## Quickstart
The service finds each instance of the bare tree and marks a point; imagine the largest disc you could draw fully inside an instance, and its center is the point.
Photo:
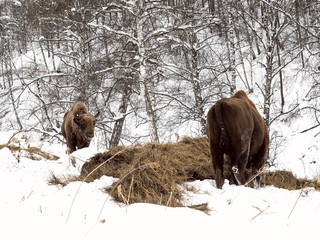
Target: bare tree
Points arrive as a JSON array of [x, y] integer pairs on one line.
[[154, 65], [191, 61], [8, 35], [142, 28]]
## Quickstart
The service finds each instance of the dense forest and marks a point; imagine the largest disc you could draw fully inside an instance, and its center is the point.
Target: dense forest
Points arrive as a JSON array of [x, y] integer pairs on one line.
[[154, 68]]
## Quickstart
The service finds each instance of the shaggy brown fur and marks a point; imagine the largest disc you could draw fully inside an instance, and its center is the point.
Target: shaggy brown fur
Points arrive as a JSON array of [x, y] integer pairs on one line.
[[78, 126], [237, 131]]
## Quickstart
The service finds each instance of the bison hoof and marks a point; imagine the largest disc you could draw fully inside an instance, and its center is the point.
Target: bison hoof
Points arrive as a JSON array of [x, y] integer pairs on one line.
[[235, 170], [256, 184]]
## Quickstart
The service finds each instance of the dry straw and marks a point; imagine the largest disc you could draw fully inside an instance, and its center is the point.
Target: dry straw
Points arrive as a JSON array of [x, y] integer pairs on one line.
[[155, 173]]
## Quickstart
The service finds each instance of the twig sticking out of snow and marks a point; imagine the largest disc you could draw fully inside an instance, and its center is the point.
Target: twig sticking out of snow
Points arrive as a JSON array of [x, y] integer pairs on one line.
[[120, 193], [261, 170], [87, 178], [304, 193], [260, 211], [140, 167], [150, 164]]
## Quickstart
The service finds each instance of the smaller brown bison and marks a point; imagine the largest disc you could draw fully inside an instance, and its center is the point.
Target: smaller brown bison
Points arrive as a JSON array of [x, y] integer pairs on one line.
[[78, 126], [238, 133]]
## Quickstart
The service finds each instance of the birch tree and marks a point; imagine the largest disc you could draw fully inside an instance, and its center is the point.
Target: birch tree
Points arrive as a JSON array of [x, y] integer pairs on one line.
[[269, 26], [191, 61], [145, 26], [232, 47]]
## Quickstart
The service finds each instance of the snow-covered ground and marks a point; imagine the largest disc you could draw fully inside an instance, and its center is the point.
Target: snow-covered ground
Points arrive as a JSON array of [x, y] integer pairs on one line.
[[32, 209]]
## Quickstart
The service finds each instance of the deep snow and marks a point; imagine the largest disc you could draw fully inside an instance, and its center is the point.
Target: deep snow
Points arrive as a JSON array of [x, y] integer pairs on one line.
[[32, 209]]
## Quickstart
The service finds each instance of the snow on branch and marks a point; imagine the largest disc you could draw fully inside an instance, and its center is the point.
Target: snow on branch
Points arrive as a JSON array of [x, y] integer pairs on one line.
[[118, 32]]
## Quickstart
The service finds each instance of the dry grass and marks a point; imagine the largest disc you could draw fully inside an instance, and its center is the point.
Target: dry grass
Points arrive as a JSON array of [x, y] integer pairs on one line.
[[54, 180], [317, 176], [201, 207], [155, 173], [286, 179]]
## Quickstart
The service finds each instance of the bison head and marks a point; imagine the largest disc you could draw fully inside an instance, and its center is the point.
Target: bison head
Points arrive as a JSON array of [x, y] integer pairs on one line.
[[86, 123]]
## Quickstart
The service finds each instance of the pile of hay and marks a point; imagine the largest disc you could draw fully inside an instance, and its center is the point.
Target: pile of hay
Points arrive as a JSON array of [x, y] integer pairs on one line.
[[155, 173], [152, 172], [286, 179]]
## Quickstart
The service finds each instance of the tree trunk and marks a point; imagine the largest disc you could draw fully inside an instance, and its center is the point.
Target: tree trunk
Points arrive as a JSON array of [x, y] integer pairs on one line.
[[84, 75], [296, 3], [280, 77], [144, 91], [43, 55], [10, 80], [232, 48], [118, 126], [267, 89], [246, 81], [195, 80], [270, 28]]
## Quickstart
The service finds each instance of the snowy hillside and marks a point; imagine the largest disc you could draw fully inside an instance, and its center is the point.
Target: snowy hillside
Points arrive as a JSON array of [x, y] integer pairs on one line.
[[32, 209], [153, 69]]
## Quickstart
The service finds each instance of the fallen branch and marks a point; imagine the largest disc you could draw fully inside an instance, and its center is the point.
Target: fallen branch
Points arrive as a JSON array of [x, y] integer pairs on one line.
[[13, 136], [304, 193], [30, 150], [201, 207], [260, 211]]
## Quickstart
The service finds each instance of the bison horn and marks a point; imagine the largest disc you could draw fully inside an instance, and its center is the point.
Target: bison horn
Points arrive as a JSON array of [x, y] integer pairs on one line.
[[97, 115]]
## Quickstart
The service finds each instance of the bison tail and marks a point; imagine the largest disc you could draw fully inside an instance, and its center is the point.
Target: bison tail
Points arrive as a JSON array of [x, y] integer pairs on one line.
[[224, 140]]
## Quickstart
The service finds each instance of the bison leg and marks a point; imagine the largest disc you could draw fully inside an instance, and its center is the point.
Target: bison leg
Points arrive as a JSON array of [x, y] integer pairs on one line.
[[71, 148], [239, 174], [255, 170], [239, 167], [241, 159], [86, 144], [217, 160], [219, 176], [258, 161]]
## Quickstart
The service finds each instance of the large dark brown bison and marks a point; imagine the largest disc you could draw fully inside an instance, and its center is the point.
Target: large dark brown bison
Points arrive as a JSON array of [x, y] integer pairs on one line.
[[237, 132], [78, 126]]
